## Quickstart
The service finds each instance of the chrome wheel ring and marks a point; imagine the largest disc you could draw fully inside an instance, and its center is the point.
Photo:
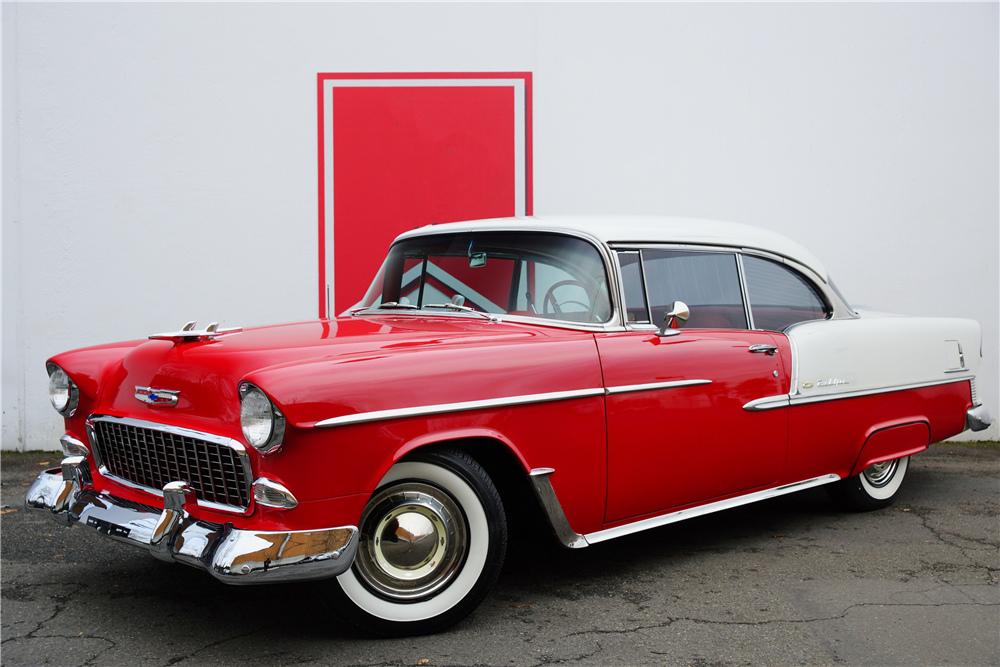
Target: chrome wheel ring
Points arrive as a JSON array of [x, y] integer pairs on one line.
[[880, 474], [413, 542]]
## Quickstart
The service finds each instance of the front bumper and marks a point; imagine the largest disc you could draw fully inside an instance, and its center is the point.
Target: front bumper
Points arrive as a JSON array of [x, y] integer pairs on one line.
[[231, 555]]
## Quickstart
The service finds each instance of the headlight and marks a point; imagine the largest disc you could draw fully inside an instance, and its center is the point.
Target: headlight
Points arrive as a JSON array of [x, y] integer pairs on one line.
[[62, 391], [263, 425]]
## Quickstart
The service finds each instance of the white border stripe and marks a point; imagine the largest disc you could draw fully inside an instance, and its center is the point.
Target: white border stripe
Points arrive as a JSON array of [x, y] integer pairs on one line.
[[520, 154]]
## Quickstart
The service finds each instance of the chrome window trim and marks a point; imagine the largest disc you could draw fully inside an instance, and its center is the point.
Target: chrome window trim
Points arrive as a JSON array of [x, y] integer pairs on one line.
[[441, 408], [621, 296], [645, 292], [821, 287], [724, 250], [672, 246], [791, 400], [652, 386], [221, 440], [614, 321], [838, 309], [748, 313]]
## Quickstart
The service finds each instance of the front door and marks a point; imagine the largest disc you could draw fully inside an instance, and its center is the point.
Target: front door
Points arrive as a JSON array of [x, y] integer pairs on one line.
[[677, 430]]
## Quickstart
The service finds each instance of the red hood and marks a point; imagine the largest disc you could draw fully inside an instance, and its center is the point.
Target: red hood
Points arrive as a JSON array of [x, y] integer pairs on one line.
[[207, 373]]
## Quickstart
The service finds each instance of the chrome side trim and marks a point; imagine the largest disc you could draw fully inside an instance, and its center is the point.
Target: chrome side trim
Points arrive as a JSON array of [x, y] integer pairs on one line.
[[801, 399], [784, 400], [546, 495], [767, 403], [625, 389], [673, 517], [958, 370], [419, 411]]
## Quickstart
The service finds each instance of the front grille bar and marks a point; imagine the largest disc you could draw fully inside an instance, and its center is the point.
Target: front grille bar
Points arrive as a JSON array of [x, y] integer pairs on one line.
[[147, 455]]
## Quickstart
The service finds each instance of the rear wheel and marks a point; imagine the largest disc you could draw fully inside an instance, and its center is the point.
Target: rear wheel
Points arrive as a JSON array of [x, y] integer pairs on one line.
[[874, 488], [432, 541]]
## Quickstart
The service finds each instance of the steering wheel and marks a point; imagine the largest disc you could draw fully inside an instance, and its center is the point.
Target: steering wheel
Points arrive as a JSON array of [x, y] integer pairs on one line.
[[592, 293]]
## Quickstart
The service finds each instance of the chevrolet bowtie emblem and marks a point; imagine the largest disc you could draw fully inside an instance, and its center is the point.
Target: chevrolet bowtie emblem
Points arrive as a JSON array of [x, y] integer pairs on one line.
[[161, 398]]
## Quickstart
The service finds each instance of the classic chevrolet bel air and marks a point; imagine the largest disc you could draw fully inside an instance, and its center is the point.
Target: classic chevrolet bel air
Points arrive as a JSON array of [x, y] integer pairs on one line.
[[630, 372]]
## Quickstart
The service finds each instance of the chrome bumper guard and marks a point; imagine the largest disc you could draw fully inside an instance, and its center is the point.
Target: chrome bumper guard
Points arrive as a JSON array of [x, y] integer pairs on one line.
[[978, 418], [230, 555]]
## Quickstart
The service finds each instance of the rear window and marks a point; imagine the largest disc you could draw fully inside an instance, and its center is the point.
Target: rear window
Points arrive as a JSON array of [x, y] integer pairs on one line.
[[779, 296]]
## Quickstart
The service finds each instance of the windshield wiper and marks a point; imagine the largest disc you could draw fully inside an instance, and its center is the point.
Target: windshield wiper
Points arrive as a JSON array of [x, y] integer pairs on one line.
[[463, 309]]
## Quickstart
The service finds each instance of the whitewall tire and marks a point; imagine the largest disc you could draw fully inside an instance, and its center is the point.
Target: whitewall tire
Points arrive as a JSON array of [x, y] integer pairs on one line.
[[432, 541], [874, 488]]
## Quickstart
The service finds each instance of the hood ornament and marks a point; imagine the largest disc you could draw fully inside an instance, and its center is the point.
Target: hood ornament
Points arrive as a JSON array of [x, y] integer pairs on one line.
[[160, 398], [188, 333]]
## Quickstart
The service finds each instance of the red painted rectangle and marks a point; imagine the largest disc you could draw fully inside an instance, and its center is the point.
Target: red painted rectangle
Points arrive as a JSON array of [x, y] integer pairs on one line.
[[409, 156]]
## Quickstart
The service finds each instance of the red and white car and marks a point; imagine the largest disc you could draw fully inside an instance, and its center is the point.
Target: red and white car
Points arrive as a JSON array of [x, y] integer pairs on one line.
[[632, 372]]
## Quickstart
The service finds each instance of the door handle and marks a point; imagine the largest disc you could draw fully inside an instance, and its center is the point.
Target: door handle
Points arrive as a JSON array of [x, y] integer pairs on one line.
[[769, 350]]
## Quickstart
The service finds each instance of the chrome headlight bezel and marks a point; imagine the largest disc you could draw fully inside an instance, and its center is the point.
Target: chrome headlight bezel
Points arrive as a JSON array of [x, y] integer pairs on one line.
[[72, 391], [276, 433]]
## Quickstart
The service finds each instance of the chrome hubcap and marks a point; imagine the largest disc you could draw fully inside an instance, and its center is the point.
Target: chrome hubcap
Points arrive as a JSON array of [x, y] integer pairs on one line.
[[879, 474], [413, 541]]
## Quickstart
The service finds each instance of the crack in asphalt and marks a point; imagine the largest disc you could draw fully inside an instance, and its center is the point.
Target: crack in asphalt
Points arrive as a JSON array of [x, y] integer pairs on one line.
[[179, 659], [671, 620], [923, 515], [61, 604]]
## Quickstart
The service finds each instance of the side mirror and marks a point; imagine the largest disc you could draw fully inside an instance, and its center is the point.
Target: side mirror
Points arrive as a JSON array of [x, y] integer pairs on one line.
[[674, 319]]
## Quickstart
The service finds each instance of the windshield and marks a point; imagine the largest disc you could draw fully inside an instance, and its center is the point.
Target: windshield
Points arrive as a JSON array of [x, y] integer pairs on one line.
[[533, 275]]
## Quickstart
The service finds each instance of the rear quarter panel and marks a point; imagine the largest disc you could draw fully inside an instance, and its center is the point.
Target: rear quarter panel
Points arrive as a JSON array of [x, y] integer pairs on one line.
[[853, 378]]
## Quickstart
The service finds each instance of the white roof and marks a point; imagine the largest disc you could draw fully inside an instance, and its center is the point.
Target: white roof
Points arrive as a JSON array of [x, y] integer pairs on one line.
[[655, 229]]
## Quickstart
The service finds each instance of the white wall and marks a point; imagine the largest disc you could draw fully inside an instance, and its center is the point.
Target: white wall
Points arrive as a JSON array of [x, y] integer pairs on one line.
[[159, 160]]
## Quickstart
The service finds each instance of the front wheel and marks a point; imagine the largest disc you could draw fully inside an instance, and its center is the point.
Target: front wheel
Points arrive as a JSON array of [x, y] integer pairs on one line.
[[431, 543], [874, 488]]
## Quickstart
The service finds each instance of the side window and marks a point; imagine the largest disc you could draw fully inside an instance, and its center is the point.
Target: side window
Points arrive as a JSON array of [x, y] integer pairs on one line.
[[708, 282], [779, 296], [635, 291]]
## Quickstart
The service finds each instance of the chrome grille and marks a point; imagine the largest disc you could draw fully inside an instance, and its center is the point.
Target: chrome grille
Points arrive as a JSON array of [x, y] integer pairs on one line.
[[975, 397], [152, 457]]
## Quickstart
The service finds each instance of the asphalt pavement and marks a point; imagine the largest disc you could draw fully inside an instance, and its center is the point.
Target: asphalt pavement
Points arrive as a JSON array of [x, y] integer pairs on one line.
[[790, 581]]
